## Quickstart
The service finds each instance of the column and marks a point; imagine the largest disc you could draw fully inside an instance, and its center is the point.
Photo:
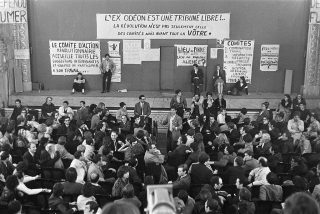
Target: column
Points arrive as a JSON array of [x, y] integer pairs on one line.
[[311, 86]]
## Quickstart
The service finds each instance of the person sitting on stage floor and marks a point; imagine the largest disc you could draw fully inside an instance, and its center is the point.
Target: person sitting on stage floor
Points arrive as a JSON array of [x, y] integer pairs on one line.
[[240, 87], [78, 83]]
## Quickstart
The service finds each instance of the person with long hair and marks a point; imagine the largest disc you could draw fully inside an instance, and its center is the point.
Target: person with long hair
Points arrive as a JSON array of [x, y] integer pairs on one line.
[[285, 106]]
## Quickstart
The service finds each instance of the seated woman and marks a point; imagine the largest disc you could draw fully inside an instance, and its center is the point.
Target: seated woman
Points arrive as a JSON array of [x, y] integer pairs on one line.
[[78, 83], [240, 87]]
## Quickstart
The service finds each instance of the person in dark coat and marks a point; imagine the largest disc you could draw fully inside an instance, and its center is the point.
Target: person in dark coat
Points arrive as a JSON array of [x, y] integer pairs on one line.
[[31, 163], [16, 110], [236, 171], [70, 186], [199, 172], [240, 87], [47, 109], [56, 201], [196, 78]]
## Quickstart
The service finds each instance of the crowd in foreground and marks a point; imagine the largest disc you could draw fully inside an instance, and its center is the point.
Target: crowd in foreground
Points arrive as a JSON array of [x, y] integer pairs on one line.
[[84, 159]]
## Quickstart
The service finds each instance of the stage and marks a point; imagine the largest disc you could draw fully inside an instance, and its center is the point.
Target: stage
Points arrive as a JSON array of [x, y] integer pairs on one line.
[[158, 100]]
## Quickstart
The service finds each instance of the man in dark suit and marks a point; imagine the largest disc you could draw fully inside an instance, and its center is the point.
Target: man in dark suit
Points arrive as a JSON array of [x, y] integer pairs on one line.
[[183, 181], [32, 165], [95, 187], [66, 130], [178, 156], [113, 142], [236, 171], [6, 167], [142, 109], [199, 172], [196, 78], [70, 186]]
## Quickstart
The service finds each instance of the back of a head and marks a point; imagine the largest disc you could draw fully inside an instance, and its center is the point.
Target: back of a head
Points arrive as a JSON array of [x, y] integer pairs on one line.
[[120, 208], [301, 203], [14, 207], [203, 157], [245, 194], [128, 191]]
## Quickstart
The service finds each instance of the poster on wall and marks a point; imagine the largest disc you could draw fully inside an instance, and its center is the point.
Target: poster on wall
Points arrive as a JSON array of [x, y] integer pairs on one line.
[[71, 57], [163, 26], [238, 57], [113, 48], [13, 12], [150, 54], [131, 52], [116, 75], [214, 52], [187, 55], [269, 57]]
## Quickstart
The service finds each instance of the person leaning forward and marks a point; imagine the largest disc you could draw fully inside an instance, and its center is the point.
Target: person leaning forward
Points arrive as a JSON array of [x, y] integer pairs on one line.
[[107, 67]]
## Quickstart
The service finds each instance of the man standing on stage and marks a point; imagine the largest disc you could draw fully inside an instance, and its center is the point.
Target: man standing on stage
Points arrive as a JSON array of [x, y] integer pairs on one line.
[[196, 78], [107, 67]]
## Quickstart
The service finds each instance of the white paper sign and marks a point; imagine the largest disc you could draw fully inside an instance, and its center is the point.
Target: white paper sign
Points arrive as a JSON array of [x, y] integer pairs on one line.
[[269, 57], [71, 57], [163, 26], [214, 53], [116, 75], [150, 54], [238, 57], [187, 55], [21, 54], [13, 11], [113, 48], [131, 51], [146, 43]]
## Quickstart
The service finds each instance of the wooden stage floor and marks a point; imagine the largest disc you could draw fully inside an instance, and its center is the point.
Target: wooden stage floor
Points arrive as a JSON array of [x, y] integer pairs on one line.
[[157, 100]]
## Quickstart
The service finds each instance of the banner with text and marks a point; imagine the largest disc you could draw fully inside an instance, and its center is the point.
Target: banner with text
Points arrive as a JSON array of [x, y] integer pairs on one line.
[[71, 57], [269, 57], [238, 57], [187, 55], [13, 11], [116, 75], [163, 26]]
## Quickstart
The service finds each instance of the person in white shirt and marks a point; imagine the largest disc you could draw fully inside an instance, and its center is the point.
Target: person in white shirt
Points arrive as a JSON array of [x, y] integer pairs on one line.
[[87, 195], [65, 110], [295, 127], [258, 176], [80, 166], [221, 118]]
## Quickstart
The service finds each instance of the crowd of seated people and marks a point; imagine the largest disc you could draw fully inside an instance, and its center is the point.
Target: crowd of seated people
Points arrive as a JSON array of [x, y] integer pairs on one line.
[[80, 160]]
